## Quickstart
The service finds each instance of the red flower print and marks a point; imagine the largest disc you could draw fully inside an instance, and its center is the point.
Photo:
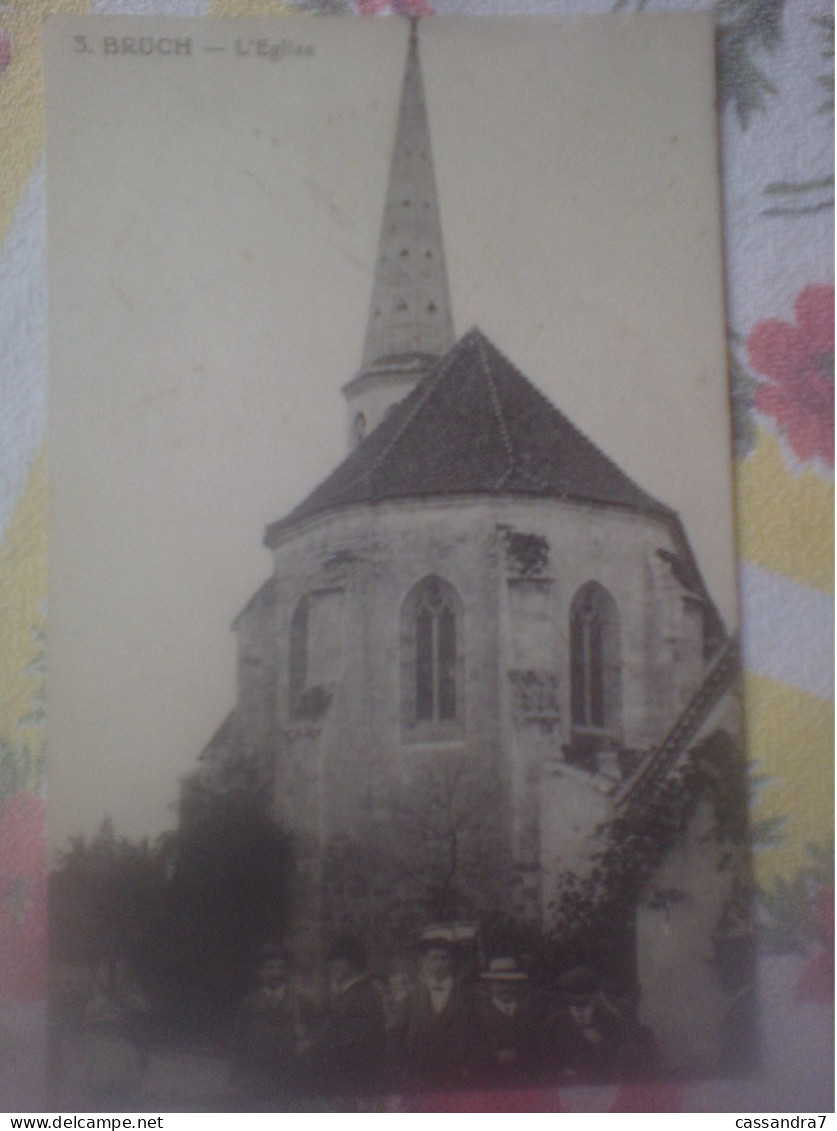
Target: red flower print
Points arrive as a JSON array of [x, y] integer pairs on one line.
[[23, 925], [798, 362], [5, 51]]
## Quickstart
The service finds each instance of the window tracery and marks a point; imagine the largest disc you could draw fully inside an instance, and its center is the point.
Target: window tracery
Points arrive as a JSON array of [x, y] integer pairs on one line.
[[432, 658], [596, 664]]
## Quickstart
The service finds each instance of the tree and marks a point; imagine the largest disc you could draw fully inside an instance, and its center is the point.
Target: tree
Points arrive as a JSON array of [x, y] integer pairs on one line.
[[187, 913], [433, 860], [442, 837], [103, 898], [228, 893]]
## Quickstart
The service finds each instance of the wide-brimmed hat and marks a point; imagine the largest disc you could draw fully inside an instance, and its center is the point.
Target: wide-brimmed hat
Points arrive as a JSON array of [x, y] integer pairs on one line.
[[504, 970], [451, 934]]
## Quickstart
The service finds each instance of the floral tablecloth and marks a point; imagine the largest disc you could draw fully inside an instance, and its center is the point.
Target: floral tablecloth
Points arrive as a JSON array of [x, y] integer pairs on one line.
[[776, 106]]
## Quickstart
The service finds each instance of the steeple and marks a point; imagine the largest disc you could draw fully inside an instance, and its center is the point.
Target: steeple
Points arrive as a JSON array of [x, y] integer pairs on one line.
[[410, 324]]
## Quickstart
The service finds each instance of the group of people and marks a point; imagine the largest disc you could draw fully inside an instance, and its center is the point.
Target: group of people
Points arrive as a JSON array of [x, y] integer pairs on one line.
[[427, 1029]]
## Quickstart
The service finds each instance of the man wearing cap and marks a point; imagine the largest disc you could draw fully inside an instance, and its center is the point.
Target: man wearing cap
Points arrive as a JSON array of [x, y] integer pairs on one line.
[[586, 1034], [439, 1023], [510, 1027], [265, 1046]]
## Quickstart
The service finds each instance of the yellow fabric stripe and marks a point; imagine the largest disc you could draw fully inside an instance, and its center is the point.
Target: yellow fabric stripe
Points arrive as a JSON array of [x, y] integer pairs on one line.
[[790, 735], [247, 7], [785, 521], [22, 97], [23, 587]]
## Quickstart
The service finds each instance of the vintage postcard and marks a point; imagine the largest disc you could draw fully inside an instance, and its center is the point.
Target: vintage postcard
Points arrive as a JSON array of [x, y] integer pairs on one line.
[[394, 736]]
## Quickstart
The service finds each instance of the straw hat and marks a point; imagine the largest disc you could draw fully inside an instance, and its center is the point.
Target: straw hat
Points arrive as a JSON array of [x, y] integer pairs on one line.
[[504, 970]]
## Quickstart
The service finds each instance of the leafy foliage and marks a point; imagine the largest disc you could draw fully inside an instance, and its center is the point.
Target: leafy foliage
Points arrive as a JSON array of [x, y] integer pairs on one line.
[[798, 198], [746, 27], [787, 920], [427, 864], [36, 669], [229, 891], [527, 554], [187, 912], [21, 769], [743, 387], [359, 890], [595, 916], [761, 19], [635, 842], [16, 769], [767, 832], [104, 896], [827, 80], [440, 835]]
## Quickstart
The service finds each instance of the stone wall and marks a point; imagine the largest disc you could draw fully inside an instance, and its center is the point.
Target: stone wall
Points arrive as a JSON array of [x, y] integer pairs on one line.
[[350, 766]]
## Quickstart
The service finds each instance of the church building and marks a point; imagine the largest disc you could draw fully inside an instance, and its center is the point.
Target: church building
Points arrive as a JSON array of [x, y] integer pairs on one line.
[[482, 651]]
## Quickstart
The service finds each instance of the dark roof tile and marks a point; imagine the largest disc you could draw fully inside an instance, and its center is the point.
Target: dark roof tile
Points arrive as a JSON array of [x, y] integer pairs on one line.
[[474, 426]]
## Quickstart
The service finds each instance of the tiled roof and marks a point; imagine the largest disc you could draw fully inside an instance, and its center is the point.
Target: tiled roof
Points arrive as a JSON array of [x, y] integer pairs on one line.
[[474, 426]]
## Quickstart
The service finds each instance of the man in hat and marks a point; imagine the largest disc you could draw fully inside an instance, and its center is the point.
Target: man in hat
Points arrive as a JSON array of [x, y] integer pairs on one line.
[[351, 1047], [439, 1023], [510, 1041], [268, 1032], [586, 1033]]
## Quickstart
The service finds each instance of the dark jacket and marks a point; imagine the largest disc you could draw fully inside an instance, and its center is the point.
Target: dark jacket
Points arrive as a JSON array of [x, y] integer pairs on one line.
[[349, 1053], [608, 1047], [510, 1050], [439, 1047]]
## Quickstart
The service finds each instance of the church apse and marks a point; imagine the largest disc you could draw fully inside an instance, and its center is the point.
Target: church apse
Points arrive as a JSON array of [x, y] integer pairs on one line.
[[478, 634]]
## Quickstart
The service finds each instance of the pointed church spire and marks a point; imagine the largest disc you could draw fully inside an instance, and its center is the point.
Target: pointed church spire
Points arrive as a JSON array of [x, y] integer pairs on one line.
[[410, 323], [410, 308]]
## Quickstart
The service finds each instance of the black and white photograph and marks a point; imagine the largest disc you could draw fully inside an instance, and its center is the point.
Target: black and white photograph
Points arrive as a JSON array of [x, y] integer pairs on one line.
[[394, 712]]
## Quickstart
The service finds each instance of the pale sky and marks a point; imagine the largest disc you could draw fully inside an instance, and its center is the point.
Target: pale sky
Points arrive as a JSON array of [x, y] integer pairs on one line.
[[213, 221]]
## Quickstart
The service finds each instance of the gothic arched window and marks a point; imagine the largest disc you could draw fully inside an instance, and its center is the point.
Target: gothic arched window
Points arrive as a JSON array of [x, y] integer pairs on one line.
[[596, 662], [432, 659]]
